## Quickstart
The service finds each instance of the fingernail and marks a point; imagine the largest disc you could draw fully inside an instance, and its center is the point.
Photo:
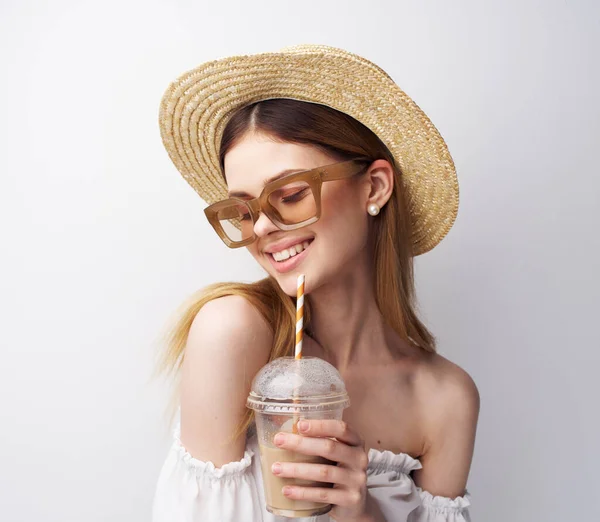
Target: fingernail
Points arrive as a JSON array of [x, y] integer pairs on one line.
[[303, 426], [276, 468], [287, 490], [279, 439]]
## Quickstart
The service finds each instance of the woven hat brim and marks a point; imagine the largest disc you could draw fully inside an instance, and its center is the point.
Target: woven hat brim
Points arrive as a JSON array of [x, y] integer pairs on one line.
[[196, 107]]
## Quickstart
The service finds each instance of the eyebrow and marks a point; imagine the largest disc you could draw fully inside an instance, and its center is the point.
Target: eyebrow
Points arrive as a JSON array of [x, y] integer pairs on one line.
[[242, 194]]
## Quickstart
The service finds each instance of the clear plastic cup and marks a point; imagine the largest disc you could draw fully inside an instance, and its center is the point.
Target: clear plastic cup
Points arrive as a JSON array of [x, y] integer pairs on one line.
[[284, 391]]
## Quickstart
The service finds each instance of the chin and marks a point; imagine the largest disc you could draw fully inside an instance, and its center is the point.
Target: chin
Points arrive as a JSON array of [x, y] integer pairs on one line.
[[289, 283]]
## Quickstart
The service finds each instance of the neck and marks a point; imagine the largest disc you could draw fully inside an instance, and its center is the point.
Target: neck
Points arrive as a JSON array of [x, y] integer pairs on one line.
[[347, 325]]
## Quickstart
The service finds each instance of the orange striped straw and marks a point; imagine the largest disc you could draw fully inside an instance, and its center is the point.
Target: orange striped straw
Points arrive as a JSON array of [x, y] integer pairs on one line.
[[299, 332], [299, 316]]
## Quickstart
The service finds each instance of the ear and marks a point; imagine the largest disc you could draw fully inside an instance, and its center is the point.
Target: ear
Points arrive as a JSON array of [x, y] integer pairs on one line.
[[380, 182]]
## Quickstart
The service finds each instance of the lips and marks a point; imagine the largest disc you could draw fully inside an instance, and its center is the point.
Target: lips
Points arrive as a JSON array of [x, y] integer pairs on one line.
[[291, 263], [290, 252], [278, 246]]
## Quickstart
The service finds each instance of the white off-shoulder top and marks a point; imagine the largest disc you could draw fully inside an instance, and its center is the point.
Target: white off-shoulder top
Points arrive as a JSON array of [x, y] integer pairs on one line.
[[190, 490]]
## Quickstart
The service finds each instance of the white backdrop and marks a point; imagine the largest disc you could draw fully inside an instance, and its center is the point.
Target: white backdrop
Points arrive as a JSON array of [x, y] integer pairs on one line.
[[102, 239]]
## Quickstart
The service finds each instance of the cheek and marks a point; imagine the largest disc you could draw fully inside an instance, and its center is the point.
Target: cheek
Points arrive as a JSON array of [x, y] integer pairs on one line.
[[253, 250], [343, 220]]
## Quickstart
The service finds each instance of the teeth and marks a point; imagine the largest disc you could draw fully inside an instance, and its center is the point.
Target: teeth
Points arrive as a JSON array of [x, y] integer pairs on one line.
[[290, 252]]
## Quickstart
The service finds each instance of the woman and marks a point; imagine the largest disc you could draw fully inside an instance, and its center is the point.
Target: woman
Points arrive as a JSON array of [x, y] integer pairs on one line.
[[314, 160]]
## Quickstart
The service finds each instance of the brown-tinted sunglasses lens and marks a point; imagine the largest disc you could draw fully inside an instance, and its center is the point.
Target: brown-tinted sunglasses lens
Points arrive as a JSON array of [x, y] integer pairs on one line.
[[236, 221], [293, 203]]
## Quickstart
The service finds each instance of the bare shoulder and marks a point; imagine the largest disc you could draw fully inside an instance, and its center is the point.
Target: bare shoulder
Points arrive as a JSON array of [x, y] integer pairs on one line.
[[231, 313], [449, 409], [444, 384], [231, 320], [228, 342]]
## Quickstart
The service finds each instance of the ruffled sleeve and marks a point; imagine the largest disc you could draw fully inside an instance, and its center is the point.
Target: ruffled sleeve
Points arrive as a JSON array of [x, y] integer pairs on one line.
[[390, 485], [190, 490], [441, 509]]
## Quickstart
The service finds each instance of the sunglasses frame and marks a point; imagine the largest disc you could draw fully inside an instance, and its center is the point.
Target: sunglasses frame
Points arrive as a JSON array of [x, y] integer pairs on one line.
[[313, 177]]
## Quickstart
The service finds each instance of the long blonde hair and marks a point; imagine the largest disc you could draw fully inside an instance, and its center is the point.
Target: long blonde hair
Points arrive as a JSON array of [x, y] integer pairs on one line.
[[343, 137]]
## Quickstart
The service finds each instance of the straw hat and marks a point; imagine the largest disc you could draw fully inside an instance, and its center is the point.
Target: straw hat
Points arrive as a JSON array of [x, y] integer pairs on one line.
[[197, 105]]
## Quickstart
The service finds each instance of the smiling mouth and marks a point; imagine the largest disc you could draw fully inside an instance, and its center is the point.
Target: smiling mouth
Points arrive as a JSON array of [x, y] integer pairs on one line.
[[290, 252]]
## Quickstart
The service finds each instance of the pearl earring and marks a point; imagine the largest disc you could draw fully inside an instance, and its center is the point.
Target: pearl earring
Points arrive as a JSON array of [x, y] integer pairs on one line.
[[373, 209]]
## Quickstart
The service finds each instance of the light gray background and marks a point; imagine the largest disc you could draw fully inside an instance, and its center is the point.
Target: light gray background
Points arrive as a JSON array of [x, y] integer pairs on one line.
[[102, 239]]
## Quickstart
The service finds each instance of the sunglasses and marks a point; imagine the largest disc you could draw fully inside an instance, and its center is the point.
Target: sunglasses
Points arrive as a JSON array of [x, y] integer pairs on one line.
[[291, 202]]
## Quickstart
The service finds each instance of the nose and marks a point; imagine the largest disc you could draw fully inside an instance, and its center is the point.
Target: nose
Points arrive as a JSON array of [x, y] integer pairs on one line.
[[263, 225]]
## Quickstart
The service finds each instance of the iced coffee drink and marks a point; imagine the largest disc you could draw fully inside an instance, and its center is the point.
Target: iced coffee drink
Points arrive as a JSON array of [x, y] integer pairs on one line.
[[283, 392]]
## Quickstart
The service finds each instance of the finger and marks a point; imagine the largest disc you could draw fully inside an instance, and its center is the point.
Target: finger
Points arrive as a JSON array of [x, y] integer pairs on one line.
[[330, 428], [349, 456], [337, 496], [319, 473]]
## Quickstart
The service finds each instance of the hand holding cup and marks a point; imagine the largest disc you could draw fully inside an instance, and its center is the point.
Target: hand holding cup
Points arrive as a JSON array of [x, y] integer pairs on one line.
[[334, 441]]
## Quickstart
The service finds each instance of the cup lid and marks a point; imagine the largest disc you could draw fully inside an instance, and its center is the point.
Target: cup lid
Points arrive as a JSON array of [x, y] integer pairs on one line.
[[289, 385]]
